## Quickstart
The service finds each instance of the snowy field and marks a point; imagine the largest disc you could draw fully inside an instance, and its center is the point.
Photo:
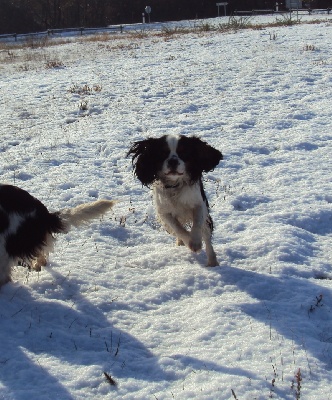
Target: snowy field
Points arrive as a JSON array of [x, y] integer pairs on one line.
[[119, 297]]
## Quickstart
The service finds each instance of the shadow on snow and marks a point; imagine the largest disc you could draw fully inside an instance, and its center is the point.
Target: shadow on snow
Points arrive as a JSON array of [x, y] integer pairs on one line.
[[69, 328]]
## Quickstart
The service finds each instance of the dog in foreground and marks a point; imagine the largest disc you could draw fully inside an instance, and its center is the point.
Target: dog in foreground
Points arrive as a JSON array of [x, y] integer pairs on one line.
[[27, 228], [173, 166]]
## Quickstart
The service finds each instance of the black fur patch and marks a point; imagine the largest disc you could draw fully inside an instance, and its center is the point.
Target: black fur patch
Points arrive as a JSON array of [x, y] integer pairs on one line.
[[27, 240], [37, 222], [209, 220], [14, 199], [4, 221], [148, 157], [198, 156], [31, 235]]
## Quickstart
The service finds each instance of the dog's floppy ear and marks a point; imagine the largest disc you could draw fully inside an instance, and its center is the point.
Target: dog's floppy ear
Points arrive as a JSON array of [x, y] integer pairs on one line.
[[208, 156], [144, 160]]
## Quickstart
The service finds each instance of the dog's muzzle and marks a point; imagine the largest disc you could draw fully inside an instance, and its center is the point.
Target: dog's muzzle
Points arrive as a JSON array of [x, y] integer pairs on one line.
[[173, 163]]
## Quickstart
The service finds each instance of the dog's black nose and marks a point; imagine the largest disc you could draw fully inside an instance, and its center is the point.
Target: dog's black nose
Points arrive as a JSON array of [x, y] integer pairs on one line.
[[173, 162]]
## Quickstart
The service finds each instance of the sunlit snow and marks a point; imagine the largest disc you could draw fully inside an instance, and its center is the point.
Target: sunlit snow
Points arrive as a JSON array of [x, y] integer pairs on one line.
[[118, 296]]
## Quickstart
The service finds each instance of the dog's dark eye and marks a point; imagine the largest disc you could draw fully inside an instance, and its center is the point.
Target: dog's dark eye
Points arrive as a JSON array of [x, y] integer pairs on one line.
[[158, 151], [162, 153], [184, 153]]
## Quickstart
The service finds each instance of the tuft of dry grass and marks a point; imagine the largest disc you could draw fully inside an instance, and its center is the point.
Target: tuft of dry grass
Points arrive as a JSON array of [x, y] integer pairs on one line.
[[297, 384], [139, 34], [98, 37], [85, 89], [35, 42], [167, 31], [83, 106], [54, 64], [309, 47]]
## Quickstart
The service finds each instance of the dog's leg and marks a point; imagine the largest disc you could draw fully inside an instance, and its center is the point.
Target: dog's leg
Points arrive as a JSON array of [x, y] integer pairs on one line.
[[192, 239], [173, 226], [40, 261], [211, 255], [195, 242], [6, 264], [42, 258]]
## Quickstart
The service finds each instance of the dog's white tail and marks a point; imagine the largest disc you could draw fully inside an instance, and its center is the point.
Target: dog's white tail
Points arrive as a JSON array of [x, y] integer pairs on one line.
[[83, 213]]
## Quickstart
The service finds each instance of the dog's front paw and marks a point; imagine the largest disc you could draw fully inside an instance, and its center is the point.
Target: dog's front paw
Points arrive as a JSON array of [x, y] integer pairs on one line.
[[40, 261], [179, 242], [212, 259], [195, 241], [212, 263], [195, 246]]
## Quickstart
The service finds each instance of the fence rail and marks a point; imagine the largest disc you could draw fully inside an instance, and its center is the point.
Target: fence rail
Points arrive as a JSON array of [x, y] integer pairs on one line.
[[54, 32], [308, 11], [311, 11]]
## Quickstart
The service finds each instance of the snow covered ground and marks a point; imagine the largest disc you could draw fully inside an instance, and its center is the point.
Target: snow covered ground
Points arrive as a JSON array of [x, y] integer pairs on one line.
[[119, 297]]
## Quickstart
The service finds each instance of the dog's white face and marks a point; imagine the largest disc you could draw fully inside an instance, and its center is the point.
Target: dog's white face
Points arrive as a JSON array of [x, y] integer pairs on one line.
[[173, 167]]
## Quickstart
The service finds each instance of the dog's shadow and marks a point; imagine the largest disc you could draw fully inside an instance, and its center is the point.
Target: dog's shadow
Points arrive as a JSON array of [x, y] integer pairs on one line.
[[38, 334], [294, 308]]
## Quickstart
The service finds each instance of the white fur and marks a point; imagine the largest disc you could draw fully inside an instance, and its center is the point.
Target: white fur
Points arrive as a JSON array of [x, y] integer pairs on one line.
[[172, 142], [83, 213], [183, 213]]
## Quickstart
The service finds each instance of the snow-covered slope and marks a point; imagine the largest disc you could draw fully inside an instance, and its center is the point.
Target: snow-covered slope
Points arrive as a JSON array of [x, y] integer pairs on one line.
[[119, 297]]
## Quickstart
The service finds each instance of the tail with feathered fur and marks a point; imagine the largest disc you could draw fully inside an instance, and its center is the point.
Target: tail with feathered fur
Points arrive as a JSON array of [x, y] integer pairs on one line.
[[83, 213]]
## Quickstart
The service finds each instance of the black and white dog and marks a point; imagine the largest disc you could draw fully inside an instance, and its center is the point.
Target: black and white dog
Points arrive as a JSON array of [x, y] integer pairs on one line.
[[27, 227], [174, 165]]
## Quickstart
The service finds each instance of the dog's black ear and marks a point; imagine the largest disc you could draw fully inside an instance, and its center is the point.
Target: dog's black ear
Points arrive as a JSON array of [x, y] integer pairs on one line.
[[144, 160], [208, 156]]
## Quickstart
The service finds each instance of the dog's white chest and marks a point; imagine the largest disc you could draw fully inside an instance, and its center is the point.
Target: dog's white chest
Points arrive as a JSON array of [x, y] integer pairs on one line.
[[176, 200]]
